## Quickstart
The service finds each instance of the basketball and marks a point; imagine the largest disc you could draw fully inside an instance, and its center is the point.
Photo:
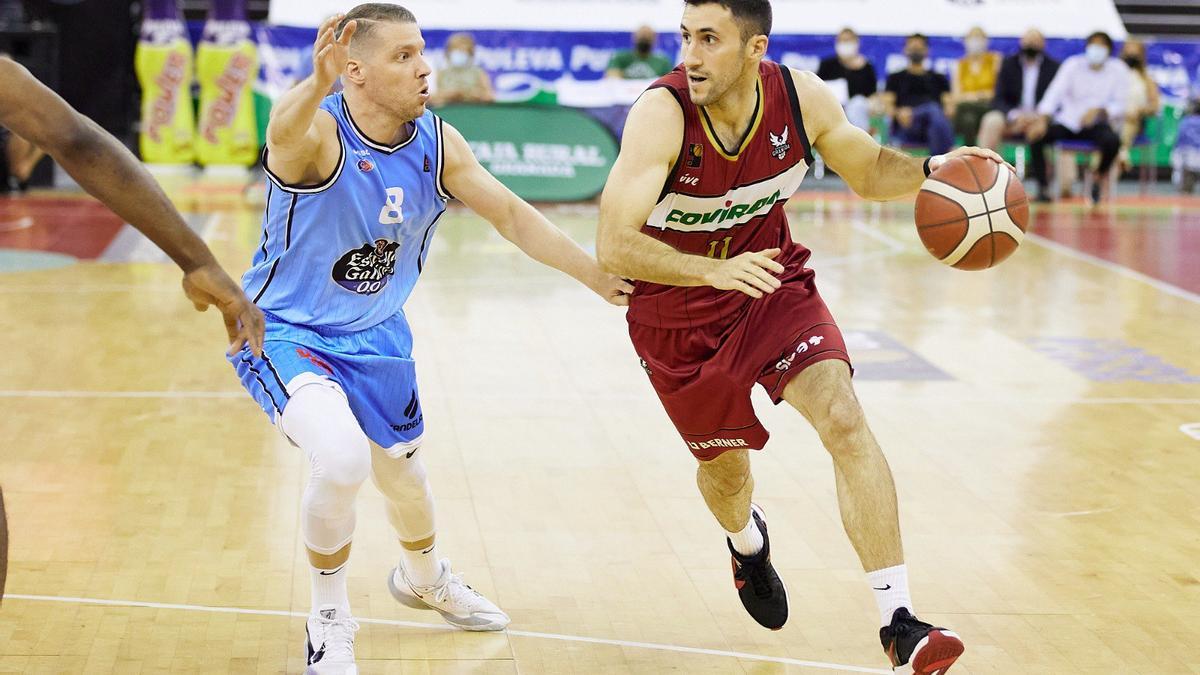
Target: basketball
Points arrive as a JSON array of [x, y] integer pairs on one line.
[[972, 213]]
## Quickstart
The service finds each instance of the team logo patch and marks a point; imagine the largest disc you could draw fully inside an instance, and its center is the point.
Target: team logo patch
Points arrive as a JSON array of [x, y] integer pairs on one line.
[[695, 155], [786, 361], [780, 144], [428, 165], [365, 165], [368, 269]]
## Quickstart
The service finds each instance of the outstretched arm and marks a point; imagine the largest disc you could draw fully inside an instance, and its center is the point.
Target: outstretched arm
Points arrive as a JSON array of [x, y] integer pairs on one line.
[[520, 223], [871, 170], [649, 148], [114, 176]]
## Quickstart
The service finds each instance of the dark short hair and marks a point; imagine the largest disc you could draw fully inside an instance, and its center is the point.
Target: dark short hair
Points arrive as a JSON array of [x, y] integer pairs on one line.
[[754, 16], [1100, 35], [369, 14], [918, 36], [847, 31]]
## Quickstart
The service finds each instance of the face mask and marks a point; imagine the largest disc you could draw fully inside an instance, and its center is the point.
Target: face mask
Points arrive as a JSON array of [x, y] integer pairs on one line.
[[847, 50], [643, 46], [1030, 52], [976, 45], [917, 57], [1097, 54], [1134, 62], [459, 58]]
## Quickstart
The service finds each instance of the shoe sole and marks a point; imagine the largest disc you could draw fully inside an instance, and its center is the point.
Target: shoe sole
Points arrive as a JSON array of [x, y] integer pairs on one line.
[[935, 653], [472, 624]]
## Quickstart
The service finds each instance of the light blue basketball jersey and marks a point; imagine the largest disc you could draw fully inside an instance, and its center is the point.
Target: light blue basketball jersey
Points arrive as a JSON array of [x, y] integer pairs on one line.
[[344, 255]]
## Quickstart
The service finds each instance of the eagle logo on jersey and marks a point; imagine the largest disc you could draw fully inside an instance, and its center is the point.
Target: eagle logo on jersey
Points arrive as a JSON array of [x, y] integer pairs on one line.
[[780, 144], [366, 270]]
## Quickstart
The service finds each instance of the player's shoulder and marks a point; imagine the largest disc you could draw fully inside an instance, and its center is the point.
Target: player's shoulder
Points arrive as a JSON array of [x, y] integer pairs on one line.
[[805, 80], [658, 105]]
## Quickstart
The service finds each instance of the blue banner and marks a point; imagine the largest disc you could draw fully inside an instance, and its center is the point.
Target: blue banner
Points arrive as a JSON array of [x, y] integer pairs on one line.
[[525, 63]]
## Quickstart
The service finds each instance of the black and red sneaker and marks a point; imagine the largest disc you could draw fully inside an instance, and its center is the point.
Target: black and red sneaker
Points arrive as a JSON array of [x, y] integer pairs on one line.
[[917, 647], [760, 588]]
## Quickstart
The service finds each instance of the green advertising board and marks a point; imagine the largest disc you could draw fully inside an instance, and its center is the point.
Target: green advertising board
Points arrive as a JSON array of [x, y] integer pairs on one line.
[[544, 154]]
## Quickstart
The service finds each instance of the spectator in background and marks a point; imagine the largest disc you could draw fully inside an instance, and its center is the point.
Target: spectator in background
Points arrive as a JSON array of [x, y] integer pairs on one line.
[[974, 84], [1087, 97], [462, 80], [1144, 99], [642, 62], [1185, 156], [916, 98], [859, 75], [1023, 81]]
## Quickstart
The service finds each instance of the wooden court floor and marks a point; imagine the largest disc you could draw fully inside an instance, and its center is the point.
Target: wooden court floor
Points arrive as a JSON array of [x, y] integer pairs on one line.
[[1035, 417]]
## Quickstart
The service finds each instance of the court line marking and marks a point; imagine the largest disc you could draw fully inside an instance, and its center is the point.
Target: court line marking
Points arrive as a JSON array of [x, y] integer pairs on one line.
[[429, 626], [220, 395], [1159, 284], [122, 394]]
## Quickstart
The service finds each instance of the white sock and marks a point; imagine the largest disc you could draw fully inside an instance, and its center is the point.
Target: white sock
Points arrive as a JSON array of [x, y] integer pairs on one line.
[[891, 591], [423, 568], [329, 590], [749, 541]]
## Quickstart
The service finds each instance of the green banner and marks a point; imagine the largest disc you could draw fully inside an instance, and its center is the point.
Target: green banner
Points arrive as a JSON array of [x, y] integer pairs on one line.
[[541, 153]]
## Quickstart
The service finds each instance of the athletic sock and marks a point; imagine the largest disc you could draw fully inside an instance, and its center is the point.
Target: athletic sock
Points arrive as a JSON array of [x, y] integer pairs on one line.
[[329, 590], [749, 541], [423, 568], [891, 591]]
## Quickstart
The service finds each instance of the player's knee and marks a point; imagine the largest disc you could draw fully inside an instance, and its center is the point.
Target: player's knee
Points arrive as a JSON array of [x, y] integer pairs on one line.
[[727, 474], [349, 467], [318, 419], [401, 478], [842, 420]]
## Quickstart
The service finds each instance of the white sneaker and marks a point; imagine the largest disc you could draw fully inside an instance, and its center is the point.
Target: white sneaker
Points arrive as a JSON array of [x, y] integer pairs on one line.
[[459, 604], [331, 643]]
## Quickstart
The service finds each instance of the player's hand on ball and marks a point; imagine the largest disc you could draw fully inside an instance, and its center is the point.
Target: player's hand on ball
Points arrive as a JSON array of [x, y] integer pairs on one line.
[[210, 285], [937, 162], [749, 273], [613, 289], [330, 53]]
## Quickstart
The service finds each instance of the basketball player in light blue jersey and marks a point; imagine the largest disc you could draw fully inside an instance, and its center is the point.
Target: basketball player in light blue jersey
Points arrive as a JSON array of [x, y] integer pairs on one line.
[[357, 183]]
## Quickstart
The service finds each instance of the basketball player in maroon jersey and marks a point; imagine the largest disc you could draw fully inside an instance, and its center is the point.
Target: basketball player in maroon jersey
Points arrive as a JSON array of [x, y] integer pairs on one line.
[[694, 211]]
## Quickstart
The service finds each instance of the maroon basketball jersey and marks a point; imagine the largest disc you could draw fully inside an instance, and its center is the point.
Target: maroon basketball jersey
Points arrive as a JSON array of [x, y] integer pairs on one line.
[[721, 202]]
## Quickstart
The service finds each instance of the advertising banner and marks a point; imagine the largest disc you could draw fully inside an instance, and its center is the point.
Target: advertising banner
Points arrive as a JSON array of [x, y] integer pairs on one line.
[[1065, 18], [541, 153], [226, 68], [163, 63]]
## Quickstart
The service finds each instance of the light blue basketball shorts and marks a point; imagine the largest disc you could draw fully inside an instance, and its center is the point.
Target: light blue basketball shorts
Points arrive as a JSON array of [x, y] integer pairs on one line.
[[374, 368]]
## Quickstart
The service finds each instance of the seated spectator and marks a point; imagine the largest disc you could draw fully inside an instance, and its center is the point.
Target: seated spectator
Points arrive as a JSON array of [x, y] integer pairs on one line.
[[1144, 97], [857, 72], [974, 84], [1023, 81], [915, 99], [642, 62], [461, 80], [1185, 157], [1087, 97]]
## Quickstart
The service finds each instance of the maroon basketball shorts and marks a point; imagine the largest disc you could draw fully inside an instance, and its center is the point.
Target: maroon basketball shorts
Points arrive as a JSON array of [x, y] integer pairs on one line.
[[704, 374]]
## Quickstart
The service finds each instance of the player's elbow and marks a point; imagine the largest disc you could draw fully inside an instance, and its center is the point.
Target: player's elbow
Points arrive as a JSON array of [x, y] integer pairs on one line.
[[76, 143]]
